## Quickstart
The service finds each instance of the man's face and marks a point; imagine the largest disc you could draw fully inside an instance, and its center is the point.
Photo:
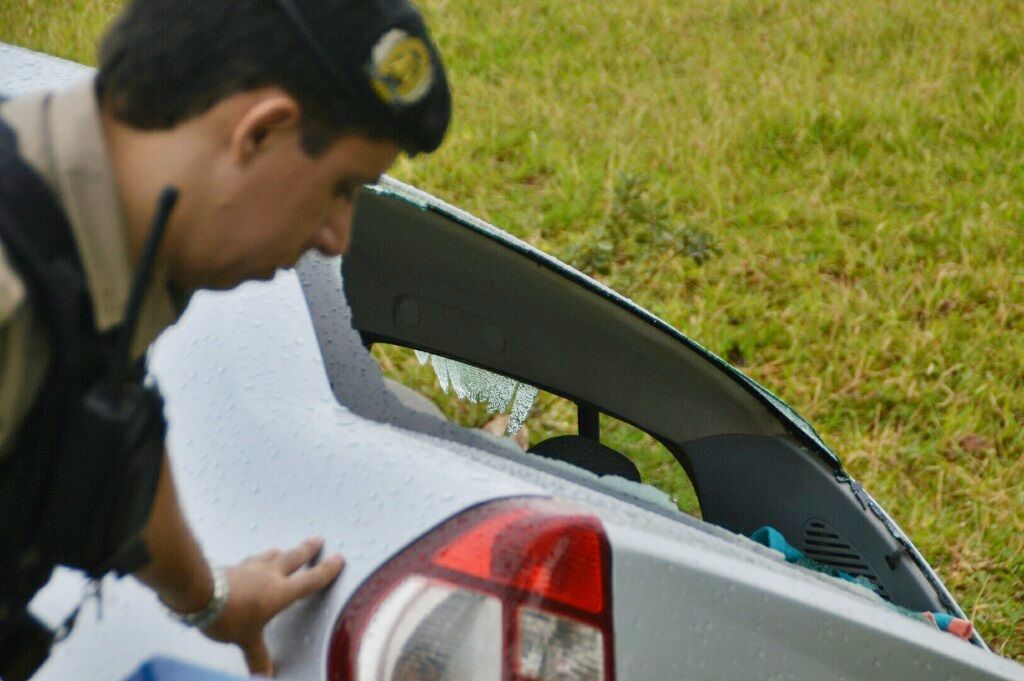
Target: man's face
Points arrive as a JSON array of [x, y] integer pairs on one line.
[[266, 208]]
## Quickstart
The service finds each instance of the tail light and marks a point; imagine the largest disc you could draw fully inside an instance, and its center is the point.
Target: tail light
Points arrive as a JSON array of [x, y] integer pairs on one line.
[[514, 590]]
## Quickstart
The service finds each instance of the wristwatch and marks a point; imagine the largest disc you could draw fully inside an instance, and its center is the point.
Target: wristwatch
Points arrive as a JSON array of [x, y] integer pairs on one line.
[[213, 608]]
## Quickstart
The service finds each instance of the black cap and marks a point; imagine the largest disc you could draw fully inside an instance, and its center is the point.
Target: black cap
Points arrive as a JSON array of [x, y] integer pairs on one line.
[[386, 65]]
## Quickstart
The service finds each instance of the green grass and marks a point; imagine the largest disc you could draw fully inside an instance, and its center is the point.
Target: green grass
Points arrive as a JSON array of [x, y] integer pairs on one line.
[[859, 167]]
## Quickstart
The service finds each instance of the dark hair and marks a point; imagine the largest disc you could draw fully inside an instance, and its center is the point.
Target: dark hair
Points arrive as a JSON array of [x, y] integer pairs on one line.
[[165, 61]]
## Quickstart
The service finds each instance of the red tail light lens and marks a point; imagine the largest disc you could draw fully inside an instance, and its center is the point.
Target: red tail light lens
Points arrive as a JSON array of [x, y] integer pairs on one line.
[[515, 590]]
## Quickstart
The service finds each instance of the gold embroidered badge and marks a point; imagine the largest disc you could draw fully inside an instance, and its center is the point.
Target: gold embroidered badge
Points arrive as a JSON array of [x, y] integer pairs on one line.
[[401, 70]]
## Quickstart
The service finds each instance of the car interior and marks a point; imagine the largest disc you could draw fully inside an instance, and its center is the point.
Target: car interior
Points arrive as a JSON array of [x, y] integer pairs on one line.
[[424, 278]]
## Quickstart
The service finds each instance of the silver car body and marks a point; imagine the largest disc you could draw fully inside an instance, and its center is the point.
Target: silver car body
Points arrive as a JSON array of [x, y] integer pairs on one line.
[[281, 427]]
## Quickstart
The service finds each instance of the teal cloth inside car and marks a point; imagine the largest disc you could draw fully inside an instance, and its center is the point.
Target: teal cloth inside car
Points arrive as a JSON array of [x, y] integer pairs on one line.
[[773, 539]]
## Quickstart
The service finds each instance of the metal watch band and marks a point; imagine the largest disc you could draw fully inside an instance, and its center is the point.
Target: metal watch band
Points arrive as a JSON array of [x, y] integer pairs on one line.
[[213, 608]]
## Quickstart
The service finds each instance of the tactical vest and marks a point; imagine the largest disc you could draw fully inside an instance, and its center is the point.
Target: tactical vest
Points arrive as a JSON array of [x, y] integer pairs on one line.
[[78, 481]]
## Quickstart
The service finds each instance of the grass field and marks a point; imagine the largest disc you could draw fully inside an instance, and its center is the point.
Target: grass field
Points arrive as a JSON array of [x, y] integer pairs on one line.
[[830, 194]]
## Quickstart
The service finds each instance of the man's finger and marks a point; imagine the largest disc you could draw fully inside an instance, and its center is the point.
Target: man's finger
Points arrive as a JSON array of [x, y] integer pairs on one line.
[[268, 556], [523, 438], [496, 426], [257, 658], [308, 582], [290, 561]]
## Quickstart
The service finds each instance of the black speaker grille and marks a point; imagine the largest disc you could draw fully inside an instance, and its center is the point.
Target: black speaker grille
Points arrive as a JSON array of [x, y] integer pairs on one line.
[[823, 543]]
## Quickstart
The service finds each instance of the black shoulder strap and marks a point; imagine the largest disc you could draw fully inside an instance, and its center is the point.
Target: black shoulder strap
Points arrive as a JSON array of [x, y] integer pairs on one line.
[[39, 242]]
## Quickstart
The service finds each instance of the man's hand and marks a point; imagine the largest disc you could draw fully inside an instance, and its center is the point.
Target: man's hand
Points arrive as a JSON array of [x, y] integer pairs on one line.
[[258, 588], [498, 426], [263, 586]]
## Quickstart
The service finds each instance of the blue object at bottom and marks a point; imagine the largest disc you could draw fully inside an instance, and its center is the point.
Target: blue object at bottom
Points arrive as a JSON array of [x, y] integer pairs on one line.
[[165, 669]]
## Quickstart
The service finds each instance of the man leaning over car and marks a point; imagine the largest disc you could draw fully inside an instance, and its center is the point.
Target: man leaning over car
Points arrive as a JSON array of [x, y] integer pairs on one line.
[[217, 143]]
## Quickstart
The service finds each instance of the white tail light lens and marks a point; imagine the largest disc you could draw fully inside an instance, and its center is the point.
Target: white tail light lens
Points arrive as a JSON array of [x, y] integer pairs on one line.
[[428, 630], [514, 590], [553, 648]]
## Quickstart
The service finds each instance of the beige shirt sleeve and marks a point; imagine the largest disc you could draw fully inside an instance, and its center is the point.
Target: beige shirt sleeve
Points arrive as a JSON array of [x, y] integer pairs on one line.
[[24, 353]]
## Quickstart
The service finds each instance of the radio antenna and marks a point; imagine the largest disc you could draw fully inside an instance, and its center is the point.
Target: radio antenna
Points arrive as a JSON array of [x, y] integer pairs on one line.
[[140, 284]]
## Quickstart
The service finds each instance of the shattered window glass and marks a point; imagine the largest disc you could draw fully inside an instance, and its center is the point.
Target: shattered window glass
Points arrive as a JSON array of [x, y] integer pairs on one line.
[[500, 394]]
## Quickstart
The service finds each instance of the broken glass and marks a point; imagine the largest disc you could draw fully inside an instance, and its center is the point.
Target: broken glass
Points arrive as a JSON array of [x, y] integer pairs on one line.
[[500, 393]]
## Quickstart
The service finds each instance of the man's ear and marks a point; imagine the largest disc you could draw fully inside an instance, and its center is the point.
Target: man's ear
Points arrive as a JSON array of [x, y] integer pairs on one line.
[[266, 117]]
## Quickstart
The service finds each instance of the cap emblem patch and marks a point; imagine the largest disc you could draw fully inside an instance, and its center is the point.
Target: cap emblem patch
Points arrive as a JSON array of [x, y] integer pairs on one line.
[[401, 70]]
